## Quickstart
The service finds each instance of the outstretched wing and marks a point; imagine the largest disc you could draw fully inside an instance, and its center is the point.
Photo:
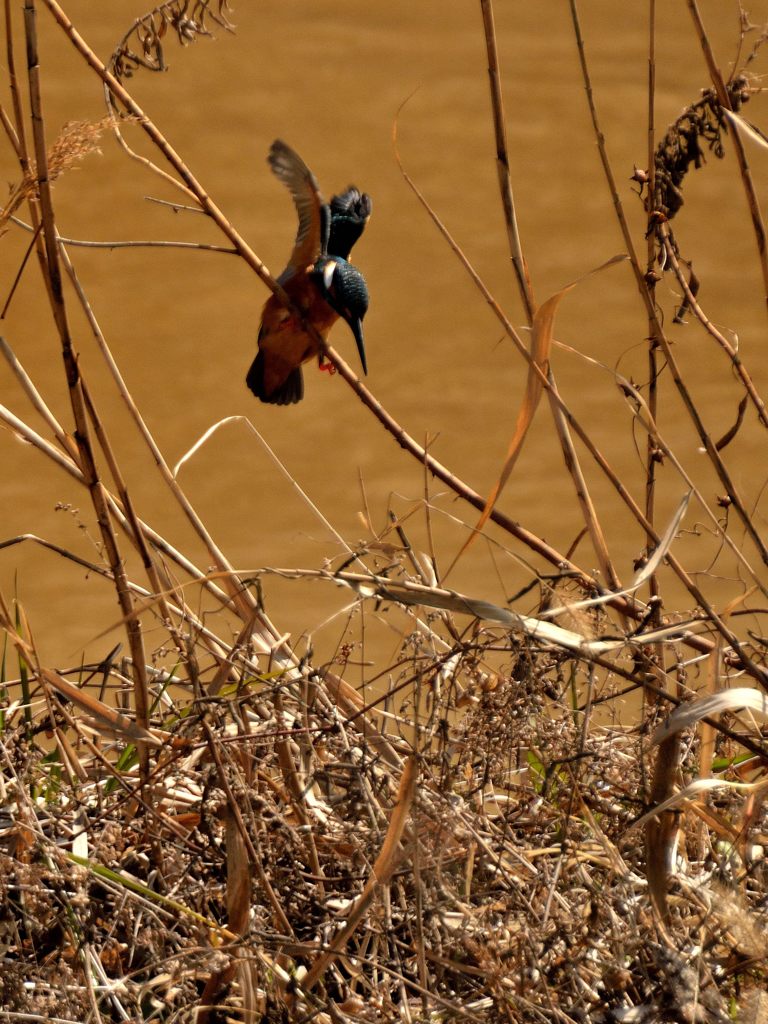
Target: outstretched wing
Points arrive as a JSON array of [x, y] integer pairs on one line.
[[312, 235], [350, 212]]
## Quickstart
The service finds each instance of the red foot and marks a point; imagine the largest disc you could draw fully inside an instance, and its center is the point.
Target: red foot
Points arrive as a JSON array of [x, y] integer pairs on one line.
[[327, 368]]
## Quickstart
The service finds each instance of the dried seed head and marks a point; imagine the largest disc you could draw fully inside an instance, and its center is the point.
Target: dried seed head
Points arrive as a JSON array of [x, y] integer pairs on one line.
[[75, 141]]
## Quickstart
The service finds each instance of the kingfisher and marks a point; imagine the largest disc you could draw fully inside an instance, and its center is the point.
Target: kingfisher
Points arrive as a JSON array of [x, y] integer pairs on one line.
[[319, 280]]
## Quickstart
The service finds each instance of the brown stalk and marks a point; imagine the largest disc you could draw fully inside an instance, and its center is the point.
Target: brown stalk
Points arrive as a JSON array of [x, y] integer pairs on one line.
[[20, 141], [626, 606], [502, 163], [389, 857], [738, 146], [282, 924], [20, 272], [136, 532], [296, 789], [709, 327], [661, 830], [660, 337], [549, 553], [101, 712], [526, 290], [404, 439], [584, 498], [651, 455], [82, 438], [658, 332]]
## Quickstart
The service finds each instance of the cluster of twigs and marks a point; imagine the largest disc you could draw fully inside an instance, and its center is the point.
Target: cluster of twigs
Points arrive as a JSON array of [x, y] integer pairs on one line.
[[142, 45], [247, 886], [218, 829], [698, 130]]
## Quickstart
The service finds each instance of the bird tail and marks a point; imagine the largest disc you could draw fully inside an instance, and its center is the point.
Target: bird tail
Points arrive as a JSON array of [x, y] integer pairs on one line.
[[288, 393]]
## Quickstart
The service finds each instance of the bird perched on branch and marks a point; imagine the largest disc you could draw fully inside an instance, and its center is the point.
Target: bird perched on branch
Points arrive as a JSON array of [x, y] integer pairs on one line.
[[318, 280]]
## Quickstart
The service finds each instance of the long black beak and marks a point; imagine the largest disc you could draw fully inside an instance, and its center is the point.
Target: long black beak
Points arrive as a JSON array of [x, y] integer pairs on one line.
[[357, 329]]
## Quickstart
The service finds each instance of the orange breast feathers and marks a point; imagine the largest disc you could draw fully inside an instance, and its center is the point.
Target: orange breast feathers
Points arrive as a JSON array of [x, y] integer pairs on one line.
[[282, 339]]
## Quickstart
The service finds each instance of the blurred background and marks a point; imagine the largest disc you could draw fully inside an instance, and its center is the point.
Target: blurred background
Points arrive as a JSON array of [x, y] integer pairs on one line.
[[182, 324]]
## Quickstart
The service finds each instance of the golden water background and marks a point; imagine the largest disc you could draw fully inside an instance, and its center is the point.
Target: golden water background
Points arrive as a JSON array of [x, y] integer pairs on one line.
[[330, 80]]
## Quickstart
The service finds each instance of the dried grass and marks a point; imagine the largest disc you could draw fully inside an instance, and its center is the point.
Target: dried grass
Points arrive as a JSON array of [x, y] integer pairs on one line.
[[215, 829], [267, 807], [76, 141]]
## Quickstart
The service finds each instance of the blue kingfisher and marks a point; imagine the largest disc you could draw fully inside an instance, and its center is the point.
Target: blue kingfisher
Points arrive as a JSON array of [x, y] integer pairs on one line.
[[318, 280]]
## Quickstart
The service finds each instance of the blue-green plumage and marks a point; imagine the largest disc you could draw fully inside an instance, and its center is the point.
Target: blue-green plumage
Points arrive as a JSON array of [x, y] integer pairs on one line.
[[344, 289]]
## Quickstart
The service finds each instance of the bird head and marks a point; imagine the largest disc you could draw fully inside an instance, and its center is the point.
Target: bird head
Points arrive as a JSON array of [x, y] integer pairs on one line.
[[345, 290]]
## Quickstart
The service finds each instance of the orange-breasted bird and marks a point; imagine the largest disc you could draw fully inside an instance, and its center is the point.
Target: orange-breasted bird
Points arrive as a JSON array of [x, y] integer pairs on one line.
[[318, 280]]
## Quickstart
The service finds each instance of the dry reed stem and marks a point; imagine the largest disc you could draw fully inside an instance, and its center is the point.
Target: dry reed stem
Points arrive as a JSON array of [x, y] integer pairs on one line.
[[584, 498], [520, 904], [736, 360], [754, 670], [658, 332], [526, 290], [502, 162], [381, 872], [564, 563], [400, 435], [137, 534], [662, 830], [518, 261], [651, 456], [73, 380], [738, 147], [250, 257]]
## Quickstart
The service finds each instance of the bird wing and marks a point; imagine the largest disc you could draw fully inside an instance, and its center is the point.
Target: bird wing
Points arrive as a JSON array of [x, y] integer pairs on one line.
[[350, 212], [312, 235]]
